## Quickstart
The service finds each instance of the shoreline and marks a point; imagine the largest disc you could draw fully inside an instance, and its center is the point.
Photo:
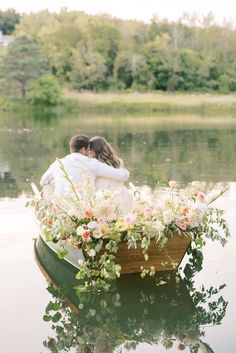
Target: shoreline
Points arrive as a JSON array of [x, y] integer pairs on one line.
[[153, 102], [131, 103]]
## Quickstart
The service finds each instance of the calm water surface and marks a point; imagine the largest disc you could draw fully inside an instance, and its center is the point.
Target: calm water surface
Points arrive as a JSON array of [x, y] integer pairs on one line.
[[171, 316]]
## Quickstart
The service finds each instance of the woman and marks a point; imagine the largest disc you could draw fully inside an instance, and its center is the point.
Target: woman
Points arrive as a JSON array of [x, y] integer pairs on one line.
[[100, 149]]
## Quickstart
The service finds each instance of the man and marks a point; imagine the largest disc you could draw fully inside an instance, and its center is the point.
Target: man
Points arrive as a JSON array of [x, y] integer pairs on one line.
[[78, 165]]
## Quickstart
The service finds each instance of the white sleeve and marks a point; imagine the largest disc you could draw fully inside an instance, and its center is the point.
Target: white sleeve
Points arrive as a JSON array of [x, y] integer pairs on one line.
[[122, 164], [103, 170], [59, 185], [49, 176]]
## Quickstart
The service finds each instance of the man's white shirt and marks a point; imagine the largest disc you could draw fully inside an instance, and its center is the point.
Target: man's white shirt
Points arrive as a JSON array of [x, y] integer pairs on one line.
[[77, 167]]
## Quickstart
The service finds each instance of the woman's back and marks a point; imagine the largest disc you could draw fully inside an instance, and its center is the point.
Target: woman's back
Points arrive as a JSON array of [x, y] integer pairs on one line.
[[103, 151], [109, 184]]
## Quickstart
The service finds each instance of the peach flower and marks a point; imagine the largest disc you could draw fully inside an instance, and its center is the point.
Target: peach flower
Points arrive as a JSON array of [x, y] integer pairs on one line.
[[172, 184], [88, 213], [185, 209]]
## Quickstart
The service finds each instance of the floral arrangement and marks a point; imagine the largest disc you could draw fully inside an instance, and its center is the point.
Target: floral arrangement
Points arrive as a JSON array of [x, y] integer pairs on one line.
[[94, 221]]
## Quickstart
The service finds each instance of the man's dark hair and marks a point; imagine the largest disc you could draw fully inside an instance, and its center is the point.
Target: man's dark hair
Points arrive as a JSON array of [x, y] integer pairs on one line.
[[78, 141]]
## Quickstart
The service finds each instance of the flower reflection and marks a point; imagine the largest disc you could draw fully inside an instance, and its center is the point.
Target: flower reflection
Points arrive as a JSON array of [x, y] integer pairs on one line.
[[166, 316], [167, 311]]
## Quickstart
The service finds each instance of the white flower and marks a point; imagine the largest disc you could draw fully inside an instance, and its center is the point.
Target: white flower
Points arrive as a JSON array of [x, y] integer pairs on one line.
[[80, 230], [96, 229], [158, 226], [97, 234], [105, 209], [80, 262], [91, 252], [92, 312], [92, 225], [168, 216]]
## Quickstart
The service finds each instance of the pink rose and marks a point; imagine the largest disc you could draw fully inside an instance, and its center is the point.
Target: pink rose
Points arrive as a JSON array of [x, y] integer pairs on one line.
[[86, 235], [201, 197], [182, 222], [148, 211]]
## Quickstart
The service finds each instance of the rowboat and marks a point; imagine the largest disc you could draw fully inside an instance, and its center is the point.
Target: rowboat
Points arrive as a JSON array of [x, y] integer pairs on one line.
[[130, 287], [165, 258]]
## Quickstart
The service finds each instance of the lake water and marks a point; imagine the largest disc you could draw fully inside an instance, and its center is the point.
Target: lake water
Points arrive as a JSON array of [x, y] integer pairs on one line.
[[169, 317]]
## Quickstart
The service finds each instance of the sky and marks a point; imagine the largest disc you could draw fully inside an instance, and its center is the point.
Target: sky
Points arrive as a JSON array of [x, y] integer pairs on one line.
[[131, 9]]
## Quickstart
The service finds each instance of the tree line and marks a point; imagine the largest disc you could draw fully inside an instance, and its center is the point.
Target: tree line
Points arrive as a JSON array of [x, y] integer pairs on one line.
[[100, 52]]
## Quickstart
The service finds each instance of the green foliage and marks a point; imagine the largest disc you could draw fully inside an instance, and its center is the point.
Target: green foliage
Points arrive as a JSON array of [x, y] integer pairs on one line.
[[224, 84], [22, 63], [100, 52], [45, 91], [104, 36], [89, 70], [62, 253], [123, 69], [8, 20]]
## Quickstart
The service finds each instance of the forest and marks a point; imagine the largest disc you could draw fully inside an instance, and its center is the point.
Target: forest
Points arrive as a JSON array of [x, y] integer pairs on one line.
[[103, 53]]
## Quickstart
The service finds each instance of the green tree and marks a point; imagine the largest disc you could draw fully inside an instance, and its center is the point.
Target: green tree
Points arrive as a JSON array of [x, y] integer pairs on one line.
[[123, 69], [224, 84], [158, 56], [104, 38], [45, 91], [59, 46], [22, 63], [8, 20], [131, 70], [185, 71], [88, 70], [143, 78]]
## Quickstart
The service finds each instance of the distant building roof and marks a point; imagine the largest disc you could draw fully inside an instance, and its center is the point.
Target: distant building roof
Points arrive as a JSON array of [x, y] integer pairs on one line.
[[5, 39]]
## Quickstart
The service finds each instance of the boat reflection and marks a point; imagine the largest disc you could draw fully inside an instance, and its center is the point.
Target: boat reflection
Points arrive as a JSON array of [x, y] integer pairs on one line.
[[165, 311]]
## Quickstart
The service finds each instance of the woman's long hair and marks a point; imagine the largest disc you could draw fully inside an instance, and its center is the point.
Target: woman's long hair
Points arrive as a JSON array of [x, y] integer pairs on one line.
[[104, 152]]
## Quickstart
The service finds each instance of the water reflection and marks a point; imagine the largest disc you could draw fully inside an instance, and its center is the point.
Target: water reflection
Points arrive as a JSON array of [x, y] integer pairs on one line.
[[167, 311], [154, 148], [8, 185]]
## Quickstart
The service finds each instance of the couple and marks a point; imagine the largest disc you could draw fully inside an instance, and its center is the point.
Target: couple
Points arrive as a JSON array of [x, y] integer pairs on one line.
[[88, 157]]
